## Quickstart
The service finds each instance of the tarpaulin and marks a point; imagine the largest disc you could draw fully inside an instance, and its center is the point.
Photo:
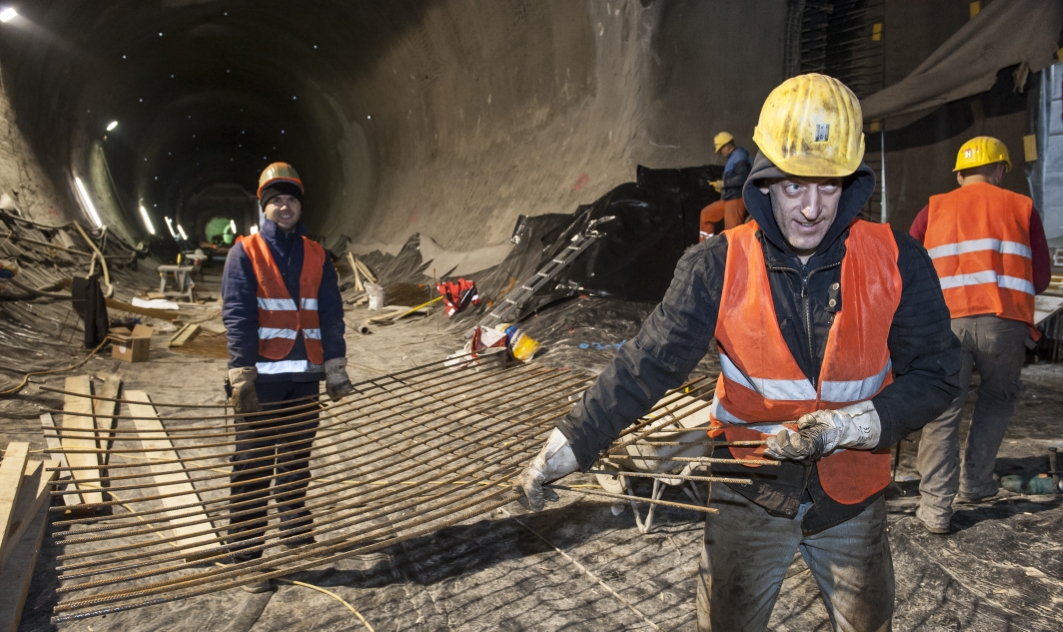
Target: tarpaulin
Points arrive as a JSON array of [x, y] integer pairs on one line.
[[1005, 33]]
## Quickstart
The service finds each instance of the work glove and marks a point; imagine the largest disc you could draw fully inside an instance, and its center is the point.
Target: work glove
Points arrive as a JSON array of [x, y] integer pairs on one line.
[[554, 461], [244, 398], [821, 432], [717, 184], [337, 384]]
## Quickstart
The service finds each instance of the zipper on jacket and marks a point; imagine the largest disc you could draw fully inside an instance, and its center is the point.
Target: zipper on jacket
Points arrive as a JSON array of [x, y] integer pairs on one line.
[[808, 320], [806, 304]]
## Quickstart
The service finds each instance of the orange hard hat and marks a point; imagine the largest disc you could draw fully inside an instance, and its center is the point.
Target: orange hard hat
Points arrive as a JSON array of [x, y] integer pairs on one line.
[[278, 172]]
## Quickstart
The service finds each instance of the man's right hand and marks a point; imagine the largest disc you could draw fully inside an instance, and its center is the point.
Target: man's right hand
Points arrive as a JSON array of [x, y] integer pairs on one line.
[[244, 398], [554, 461]]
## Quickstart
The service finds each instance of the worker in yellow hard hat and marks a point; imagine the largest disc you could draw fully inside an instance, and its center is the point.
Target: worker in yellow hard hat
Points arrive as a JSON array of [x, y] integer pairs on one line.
[[283, 314], [989, 249], [834, 344], [729, 210]]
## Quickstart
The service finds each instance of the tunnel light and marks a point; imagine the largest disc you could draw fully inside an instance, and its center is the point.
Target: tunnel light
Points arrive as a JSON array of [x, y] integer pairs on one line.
[[7, 15], [112, 125], [232, 225], [147, 220], [87, 202], [254, 229], [182, 231], [169, 224]]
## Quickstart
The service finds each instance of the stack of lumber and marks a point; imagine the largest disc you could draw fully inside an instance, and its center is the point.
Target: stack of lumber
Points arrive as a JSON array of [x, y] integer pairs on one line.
[[360, 271], [24, 494]]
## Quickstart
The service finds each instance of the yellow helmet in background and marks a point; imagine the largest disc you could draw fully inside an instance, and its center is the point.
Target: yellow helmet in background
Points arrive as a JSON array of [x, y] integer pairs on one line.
[[278, 172], [982, 150], [722, 139], [812, 126]]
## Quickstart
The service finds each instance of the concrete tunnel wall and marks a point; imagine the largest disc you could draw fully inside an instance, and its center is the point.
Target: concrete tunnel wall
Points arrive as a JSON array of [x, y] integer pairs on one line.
[[443, 117]]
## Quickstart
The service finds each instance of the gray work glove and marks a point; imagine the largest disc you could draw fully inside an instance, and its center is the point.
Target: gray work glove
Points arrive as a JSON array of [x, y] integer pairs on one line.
[[244, 398], [554, 461], [821, 432], [337, 384]]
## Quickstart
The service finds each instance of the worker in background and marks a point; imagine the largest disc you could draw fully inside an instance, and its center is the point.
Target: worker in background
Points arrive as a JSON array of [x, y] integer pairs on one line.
[[989, 248], [832, 327], [284, 318], [730, 209]]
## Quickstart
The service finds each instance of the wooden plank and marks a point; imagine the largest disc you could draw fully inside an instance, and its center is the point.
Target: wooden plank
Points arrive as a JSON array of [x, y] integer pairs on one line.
[[365, 270], [18, 573], [76, 404], [36, 485], [51, 438], [358, 287], [106, 410], [171, 478], [12, 469], [161, 314], [183, 335]]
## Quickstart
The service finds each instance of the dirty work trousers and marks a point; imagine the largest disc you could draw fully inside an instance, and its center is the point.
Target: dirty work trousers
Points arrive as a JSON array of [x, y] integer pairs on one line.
[[997, 346], [264, 457], [731, 212], [747, 553]]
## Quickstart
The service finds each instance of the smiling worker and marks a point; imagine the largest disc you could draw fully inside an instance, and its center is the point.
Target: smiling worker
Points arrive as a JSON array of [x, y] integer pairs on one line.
[[832, 330], [284, 318]]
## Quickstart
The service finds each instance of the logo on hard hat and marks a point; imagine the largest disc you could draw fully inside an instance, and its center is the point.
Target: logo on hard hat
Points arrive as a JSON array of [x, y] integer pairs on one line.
[[969, 152], [822, 132]]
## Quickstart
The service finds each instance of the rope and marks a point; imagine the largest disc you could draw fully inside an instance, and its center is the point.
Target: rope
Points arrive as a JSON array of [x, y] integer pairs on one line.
[[26, 378]]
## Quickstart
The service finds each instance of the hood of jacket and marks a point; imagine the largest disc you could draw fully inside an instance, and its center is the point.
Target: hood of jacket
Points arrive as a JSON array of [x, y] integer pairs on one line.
[[856, 191]]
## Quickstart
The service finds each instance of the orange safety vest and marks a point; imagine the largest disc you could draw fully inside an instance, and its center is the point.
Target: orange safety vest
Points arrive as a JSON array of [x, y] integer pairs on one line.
[[760, 380], [979, 239], [279, 320]]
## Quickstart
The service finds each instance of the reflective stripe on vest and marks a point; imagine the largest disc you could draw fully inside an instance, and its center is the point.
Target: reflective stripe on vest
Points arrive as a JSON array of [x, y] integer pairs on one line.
[[280, 321], [979, 239], [287, 366], [760, 381]]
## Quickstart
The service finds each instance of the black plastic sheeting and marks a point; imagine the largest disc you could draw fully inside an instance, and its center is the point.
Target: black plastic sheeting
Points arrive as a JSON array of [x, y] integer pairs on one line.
[[644, 227]]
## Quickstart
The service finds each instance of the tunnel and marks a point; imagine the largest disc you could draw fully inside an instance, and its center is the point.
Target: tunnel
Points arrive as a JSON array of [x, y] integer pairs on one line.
[[400, 116], [453, 152]]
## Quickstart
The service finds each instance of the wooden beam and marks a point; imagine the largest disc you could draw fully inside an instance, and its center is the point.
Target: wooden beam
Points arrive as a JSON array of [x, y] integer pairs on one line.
[[358, 287], [161, 314], [171, 478], [36, 485], [12, 469], [78, 404], [18, 573], [51, 438], [183, 335], [106, 410]]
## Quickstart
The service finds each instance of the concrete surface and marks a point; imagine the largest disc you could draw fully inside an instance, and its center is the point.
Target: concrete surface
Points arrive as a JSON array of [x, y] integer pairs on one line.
[[1001, 570]]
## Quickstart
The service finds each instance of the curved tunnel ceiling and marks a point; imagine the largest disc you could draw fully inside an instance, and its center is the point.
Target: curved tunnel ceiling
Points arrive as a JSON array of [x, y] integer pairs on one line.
[[401, 116]]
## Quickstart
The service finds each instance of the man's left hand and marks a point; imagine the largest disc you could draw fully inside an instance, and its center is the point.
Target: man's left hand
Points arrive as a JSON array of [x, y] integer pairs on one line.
[[821, 432], [337, 383]]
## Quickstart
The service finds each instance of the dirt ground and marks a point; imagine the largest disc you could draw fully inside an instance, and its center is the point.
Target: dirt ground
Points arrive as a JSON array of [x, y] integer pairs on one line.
[[582, 564]]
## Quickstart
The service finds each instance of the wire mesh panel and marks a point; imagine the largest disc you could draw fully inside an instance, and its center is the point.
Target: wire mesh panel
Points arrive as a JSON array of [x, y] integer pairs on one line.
[[405, 455]]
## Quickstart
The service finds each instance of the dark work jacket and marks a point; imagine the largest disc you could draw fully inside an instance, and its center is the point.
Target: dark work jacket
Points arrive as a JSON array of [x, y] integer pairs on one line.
[[239, 292], [735, 173], [676, 336]]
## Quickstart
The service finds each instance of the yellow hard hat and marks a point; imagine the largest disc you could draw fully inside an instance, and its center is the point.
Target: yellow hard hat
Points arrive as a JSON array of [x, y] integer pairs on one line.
[[982, 150], [812, 126], [278, 172], [722, 139]]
